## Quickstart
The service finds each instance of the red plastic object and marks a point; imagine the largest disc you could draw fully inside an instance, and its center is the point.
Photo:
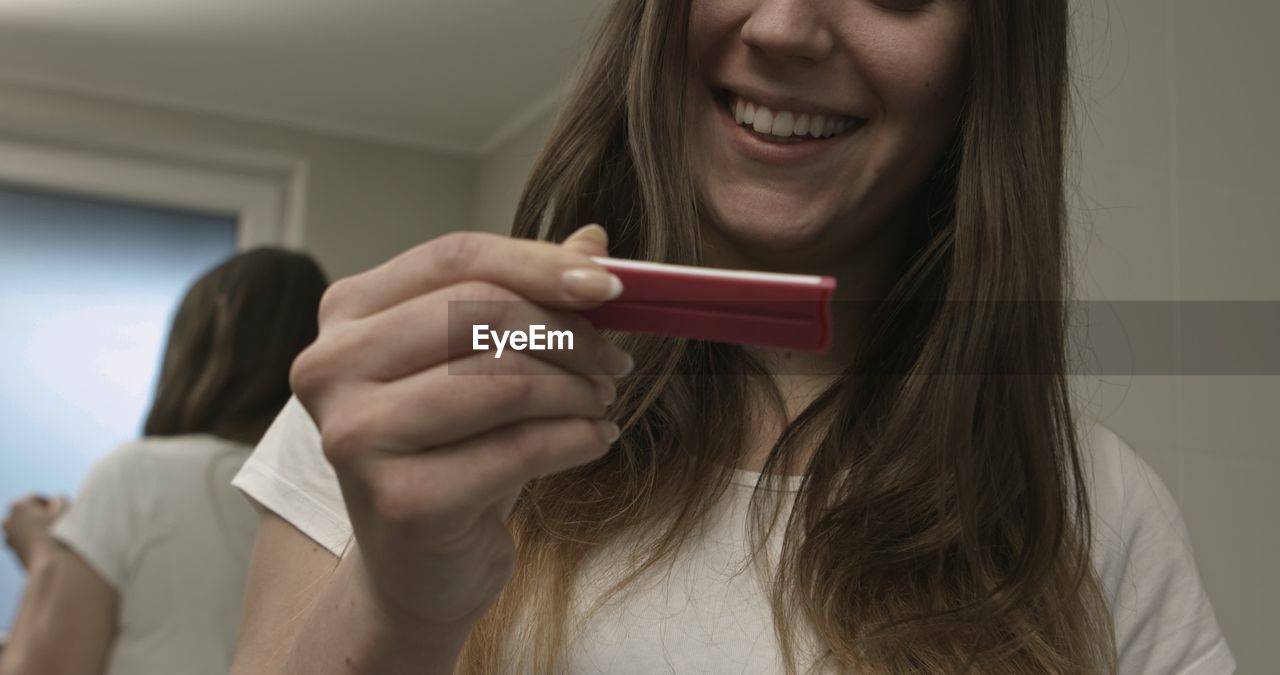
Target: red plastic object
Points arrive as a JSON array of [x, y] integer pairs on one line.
[[784, 311]]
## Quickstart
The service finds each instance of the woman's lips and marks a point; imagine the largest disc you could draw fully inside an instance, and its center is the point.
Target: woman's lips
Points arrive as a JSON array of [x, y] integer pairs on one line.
[[765, 135]]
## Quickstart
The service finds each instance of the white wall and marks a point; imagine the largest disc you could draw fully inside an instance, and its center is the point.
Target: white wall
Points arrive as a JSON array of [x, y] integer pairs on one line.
[[366, 201], [1180, 156], [501, 174]]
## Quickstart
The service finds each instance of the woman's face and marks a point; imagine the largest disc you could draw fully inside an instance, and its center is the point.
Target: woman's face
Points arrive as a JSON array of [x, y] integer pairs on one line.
[[812, 120]]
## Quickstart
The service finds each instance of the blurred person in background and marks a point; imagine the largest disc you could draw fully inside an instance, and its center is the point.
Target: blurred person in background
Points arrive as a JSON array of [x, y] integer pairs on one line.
[[144, 572]]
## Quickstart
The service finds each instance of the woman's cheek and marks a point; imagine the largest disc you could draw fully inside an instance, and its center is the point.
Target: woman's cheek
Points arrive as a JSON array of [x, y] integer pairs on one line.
[[912, 62], [711, 24]]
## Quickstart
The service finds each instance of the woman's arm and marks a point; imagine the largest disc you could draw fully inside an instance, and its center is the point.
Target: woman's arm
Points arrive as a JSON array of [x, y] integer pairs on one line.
[[306, 612], [67, 619]]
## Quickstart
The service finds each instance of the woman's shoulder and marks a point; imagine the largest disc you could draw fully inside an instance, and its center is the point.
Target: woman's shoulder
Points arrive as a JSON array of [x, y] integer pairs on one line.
[[188, 447], [1142, 553], [1124, 490], [289, 475], [155, 456]]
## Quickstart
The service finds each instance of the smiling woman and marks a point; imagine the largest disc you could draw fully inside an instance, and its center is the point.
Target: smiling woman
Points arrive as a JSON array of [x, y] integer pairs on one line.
[[885, 87], [898, 504], [883, 207]]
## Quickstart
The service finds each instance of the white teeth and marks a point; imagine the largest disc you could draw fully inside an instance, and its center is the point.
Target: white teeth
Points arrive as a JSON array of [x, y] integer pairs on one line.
[[817, 126], [785, 124], [764, 120], [802, 125]]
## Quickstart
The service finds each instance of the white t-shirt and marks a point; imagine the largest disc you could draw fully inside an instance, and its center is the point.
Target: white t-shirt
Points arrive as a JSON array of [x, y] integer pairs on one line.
[[158, 520], [710, 614]]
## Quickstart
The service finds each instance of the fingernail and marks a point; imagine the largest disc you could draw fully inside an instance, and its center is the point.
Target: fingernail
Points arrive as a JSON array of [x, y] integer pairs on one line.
[[593, 230], [591, 284], [610, 430], [608, 392], [616, 362]]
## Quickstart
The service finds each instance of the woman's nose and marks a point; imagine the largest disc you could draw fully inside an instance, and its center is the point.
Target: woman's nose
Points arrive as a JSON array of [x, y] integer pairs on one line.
[[788, 29]]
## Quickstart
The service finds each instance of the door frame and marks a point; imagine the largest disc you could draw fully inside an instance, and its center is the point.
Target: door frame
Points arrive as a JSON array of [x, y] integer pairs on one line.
[[264, 192]]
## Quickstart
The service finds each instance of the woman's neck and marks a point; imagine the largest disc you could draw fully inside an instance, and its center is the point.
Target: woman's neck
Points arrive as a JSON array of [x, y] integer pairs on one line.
[[768, 420], [862, 278]]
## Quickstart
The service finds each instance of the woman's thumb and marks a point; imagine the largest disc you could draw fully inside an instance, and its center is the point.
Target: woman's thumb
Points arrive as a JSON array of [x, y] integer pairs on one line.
[[590, 240]]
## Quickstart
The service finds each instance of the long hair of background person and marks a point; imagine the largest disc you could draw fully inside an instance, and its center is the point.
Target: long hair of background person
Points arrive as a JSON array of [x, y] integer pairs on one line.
[[233, 340], [234, 337]]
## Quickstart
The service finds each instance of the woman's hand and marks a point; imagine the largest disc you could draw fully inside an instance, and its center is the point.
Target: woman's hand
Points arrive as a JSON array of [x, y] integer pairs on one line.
[[26, 529], [431, 442]]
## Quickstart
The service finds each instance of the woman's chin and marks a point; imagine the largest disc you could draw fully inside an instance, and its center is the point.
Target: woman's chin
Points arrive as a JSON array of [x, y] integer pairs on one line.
[[765, 242]]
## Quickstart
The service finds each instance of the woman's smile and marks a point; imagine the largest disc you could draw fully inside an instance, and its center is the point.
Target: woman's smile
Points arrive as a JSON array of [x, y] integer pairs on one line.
[[787, 131], [812, 123]]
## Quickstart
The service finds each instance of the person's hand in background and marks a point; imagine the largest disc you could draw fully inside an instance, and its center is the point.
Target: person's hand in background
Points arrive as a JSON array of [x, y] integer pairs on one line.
[[26, 528]]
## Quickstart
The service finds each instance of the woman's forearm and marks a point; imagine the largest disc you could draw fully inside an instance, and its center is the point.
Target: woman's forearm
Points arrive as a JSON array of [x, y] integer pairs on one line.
[[347, 631], [16, 656], [66, 620]]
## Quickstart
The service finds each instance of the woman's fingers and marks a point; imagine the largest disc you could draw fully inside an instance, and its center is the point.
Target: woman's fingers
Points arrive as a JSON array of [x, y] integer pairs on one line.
[[559, 276], [437, 407], [443, 491], [452, 322], [432, 438], [591, 240]]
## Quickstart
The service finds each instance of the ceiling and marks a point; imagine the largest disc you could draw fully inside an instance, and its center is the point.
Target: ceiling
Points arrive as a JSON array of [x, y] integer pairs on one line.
[[453, 75]]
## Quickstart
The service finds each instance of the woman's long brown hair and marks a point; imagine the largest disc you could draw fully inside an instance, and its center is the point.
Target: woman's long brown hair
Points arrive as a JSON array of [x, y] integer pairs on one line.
[[942, 525], [236, 333]]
